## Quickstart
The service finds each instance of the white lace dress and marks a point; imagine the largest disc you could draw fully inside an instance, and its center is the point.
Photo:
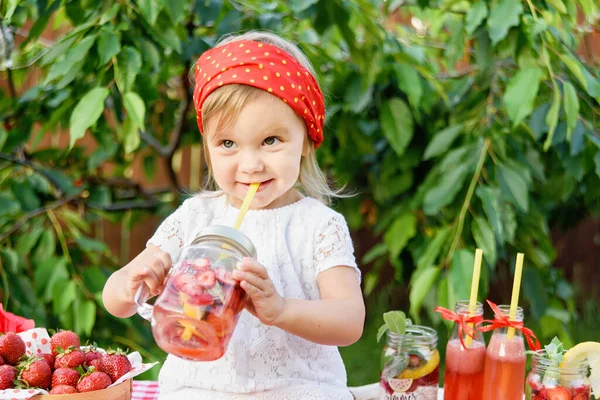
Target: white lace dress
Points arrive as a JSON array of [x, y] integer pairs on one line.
[[294, 243]]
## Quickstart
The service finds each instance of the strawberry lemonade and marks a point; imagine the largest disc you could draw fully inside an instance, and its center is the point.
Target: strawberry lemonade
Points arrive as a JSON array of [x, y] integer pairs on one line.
[[195, 315]]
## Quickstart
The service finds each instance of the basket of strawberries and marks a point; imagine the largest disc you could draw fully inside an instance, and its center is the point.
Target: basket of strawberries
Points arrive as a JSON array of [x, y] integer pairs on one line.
[[37, 366]]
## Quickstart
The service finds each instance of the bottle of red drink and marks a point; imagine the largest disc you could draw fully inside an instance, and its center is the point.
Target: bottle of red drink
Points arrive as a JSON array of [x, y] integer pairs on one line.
[[465, 357], [504, 377]]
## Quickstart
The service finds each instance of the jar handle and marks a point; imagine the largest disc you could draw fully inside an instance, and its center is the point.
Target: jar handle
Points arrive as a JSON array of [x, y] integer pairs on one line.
[[141, 296]]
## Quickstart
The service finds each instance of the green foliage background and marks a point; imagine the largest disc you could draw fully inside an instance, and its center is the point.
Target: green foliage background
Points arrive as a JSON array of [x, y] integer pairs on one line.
[[476, 126]]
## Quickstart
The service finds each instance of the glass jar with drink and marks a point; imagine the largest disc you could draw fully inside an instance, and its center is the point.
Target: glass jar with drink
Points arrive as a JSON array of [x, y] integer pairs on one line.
[[195, 314], [465, 355], [504, 376], [552, 378], [410, 365]]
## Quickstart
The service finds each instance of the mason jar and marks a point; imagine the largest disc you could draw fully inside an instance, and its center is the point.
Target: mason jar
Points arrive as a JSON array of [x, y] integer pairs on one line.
[[410, 365], [549, 380], [195, 314]]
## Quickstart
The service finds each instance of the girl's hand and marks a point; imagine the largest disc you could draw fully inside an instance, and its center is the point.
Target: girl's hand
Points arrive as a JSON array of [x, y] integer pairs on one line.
[[149, 267], [264, 302]]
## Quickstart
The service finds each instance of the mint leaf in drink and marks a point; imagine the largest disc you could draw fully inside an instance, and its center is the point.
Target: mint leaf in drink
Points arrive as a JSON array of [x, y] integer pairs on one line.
[[394, 321], [554, 354]]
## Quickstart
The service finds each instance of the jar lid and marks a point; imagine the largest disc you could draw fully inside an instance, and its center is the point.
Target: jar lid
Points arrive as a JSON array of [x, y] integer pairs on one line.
[[229, 235]]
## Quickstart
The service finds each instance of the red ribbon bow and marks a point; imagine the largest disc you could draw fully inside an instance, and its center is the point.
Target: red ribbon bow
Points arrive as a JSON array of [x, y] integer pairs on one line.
[[502, 321], [463, 322], [10, 322]]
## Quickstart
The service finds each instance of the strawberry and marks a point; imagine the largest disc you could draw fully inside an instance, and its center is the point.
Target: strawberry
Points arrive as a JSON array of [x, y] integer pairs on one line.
[[115, 364], [201, 299], [558, 393], [35, 372], [2, 361], [201, 263], [181, 280], [94, 381], [224, 276], [64, 339], [8, 374], [12, 347], [581, 396], [49, 358], [206, 277], [91, 353], [94, 363], [65, 376], [414, 360], [70, 358], [63, 389]]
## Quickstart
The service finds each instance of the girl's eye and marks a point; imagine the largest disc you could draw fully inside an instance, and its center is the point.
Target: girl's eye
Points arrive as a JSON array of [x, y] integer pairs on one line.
[[227, 144], [271, 140]]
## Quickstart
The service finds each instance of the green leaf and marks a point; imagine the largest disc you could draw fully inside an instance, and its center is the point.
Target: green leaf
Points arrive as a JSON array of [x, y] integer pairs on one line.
[[460, 276], [421, 283], [150, 9], [514, 185], [91, 245], [85, 316], [370, 282], [130, 135], [475, 16], [382, 330], [409, 82], [87, 112], [402, 230], [10, 9], [24, 243], [441, 141], [552, 117], [74, 55], [357, 97], [297, 6], [129, 63], [376, 251], [47, 273], [446, 190], [574, 67], [597, 162], [176, 9], [503, 15], [520, 94], [109, 45], [10, 260], [558, 5], [484, 237], [571, 104], [433, 248], [397, 124], [395, 322], [46, 246], [64, 293], [534, 290], [136, 108]]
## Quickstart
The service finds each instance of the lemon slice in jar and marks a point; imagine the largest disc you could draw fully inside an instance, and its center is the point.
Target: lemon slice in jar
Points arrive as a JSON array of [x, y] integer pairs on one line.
[[420, 372], [591, 351]]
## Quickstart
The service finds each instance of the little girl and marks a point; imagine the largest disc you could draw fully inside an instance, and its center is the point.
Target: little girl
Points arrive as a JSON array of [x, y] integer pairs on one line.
[[261, 112]]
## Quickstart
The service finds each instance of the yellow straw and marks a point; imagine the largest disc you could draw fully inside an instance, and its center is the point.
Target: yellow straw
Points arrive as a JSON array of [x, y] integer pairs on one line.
[[474, 288], [246, 204], [514, 302]]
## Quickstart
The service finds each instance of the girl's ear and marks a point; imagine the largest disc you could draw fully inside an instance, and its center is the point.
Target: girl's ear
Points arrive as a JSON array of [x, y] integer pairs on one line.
[[306, 146]]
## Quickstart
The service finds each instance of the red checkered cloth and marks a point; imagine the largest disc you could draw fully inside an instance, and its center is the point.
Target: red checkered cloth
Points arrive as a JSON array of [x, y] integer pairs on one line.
[[144, 390]]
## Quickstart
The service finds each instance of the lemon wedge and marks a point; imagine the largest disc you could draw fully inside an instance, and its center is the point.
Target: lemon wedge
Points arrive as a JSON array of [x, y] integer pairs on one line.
[[591, 351], [420, 372]]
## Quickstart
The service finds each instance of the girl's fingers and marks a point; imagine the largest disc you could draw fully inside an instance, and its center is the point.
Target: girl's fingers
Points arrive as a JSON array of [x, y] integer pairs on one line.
[[250, 289], [250, 278], [251, 265]]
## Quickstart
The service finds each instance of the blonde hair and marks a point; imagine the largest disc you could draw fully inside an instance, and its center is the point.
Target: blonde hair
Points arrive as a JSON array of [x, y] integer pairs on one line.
[[222, 107]]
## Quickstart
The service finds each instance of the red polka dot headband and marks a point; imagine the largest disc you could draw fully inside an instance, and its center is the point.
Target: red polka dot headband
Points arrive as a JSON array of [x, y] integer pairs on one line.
[[266, 67]]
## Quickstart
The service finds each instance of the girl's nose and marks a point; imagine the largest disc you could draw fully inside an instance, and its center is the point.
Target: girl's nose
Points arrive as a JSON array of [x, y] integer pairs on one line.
[[250, 163]]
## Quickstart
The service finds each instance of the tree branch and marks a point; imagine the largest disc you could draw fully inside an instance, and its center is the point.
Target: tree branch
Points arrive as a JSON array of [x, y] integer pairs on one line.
[[35, 213], [35, 168]]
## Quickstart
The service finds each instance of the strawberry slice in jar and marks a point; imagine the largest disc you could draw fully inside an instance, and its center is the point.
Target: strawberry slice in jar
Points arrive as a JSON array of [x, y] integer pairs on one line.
[[206, 278]]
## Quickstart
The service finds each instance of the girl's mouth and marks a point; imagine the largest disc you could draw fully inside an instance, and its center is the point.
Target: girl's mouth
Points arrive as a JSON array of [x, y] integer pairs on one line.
[[262, 186]]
